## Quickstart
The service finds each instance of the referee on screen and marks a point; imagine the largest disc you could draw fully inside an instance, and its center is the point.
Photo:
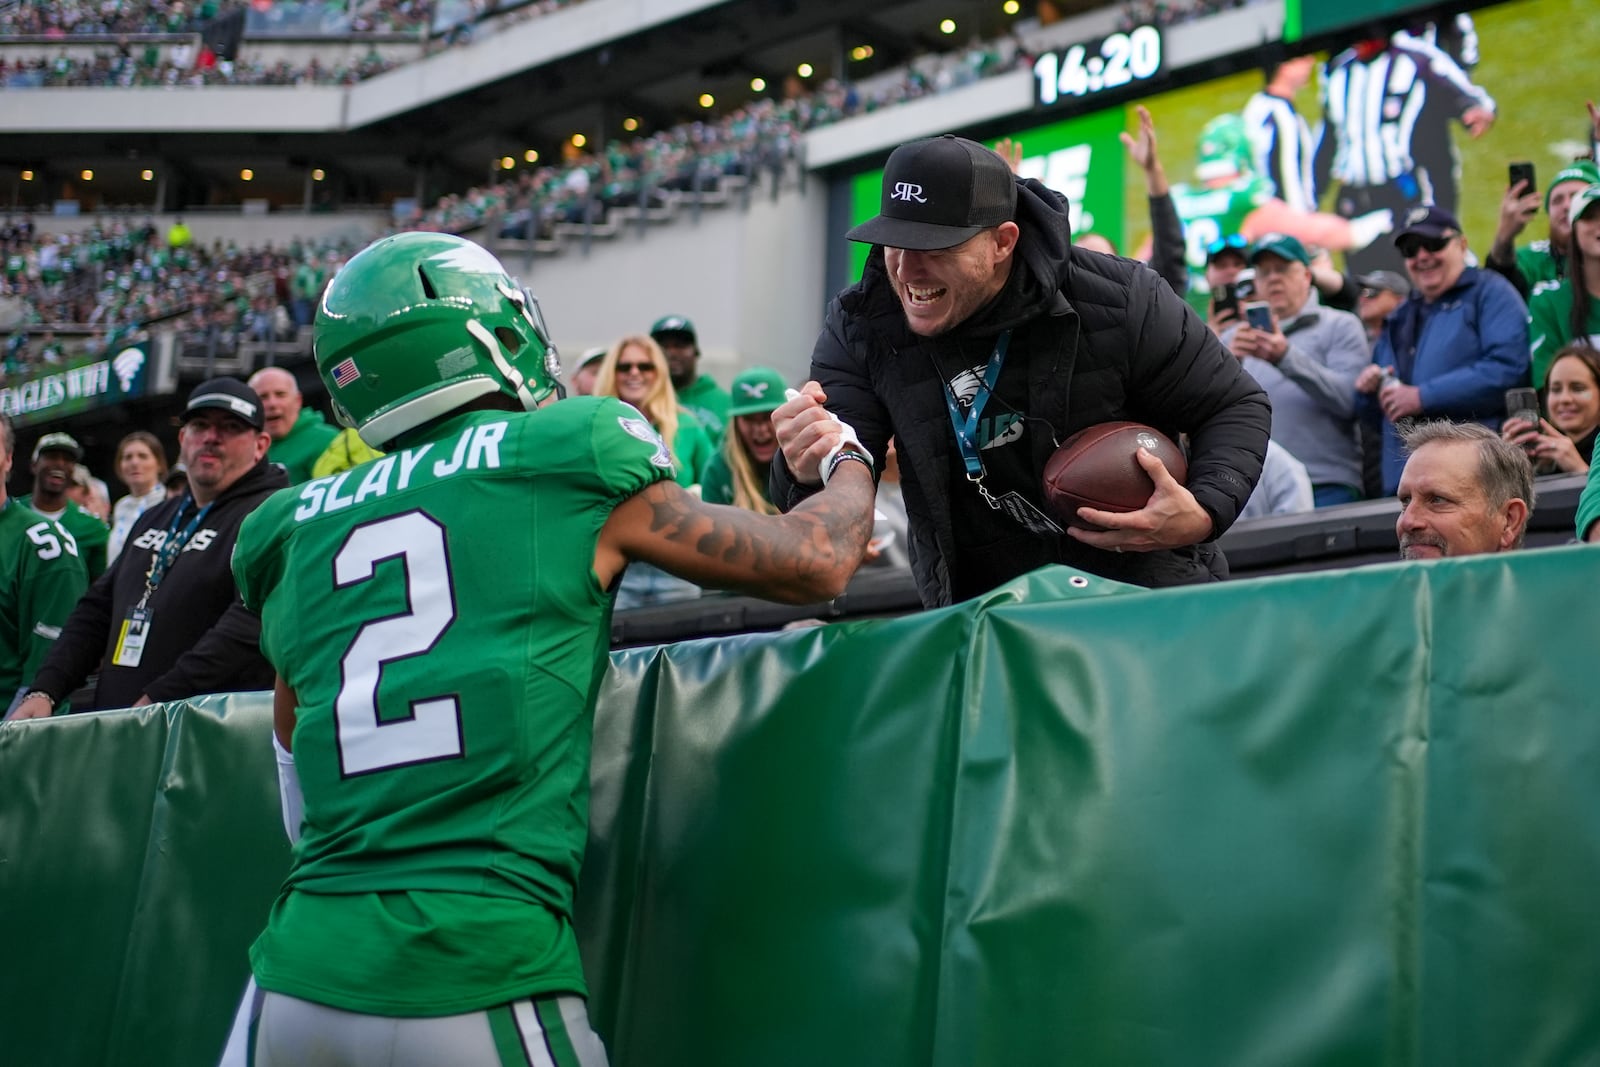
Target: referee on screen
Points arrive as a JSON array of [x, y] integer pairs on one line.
[[1379, 100]]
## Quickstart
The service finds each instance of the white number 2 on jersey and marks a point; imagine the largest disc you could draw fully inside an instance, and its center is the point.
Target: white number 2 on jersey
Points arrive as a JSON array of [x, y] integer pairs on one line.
[[433, 729]]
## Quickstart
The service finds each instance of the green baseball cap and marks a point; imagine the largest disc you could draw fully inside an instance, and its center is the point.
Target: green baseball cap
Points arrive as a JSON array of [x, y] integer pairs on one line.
[[1583, 200], [1579, 171], [673, 324], [1283, 246], [756, 392]]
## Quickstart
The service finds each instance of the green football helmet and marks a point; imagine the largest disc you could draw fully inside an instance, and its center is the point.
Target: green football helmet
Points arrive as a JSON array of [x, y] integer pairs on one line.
[[419, 324], [1224, 149]]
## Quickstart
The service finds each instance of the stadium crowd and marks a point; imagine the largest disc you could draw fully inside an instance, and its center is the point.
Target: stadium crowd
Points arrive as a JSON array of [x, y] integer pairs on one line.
[[120, 277], [180, 66], [116, 18], [145, 54], [87, 18]]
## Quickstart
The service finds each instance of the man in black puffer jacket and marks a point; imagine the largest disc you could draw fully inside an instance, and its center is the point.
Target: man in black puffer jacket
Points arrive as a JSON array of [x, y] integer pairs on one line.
[[975, 279]]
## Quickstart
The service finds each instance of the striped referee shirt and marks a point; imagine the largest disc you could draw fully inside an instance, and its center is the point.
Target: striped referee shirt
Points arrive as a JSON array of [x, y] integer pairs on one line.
[[1371, 108], [1281, 143]]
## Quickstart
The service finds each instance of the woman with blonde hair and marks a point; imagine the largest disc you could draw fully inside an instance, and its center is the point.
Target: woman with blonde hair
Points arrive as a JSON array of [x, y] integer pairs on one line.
[[142, 467], [635, 371], [737, 473]]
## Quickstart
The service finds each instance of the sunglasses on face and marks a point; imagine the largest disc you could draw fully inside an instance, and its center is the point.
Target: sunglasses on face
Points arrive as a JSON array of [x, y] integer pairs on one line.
[[630, 368], [1410, 247]]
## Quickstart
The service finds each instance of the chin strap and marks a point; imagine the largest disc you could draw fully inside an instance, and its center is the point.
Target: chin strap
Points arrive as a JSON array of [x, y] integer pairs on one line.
[[512, 376]]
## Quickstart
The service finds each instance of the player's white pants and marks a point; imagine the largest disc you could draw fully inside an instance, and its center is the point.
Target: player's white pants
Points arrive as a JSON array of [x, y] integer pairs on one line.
[[548, 1031], [236, 1053]]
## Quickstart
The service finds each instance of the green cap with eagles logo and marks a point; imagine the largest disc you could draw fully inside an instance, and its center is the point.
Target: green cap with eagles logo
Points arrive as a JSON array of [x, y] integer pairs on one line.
[[1284, 246], [756, 392], [1583, 200], [1577, 171], [673, 324]]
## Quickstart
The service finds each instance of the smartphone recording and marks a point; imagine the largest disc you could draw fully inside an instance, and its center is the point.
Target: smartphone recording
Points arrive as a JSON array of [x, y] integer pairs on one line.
[[1523, 404]]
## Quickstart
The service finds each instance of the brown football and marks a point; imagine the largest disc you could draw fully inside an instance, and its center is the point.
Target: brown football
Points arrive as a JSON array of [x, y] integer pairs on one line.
[[1097, 468]]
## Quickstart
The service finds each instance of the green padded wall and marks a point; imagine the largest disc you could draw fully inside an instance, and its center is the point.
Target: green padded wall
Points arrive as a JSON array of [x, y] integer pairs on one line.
[[1338, 818]]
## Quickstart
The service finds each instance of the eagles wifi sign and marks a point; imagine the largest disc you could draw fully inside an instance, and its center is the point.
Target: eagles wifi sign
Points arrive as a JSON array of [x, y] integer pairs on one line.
[[87, 382]]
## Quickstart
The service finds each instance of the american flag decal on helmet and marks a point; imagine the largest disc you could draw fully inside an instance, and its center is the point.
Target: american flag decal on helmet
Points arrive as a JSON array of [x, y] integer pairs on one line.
[[345, 372]]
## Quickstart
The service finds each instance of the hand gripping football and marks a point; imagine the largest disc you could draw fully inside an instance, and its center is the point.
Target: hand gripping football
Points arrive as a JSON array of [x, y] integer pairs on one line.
[[1097, 468]]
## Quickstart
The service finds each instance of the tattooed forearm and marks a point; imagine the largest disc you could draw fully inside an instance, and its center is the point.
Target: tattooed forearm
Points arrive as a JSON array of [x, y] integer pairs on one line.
[[805, 556]]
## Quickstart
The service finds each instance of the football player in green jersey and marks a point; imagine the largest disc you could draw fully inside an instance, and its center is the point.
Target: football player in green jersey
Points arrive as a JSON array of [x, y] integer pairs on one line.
[[439, 620], [1229, 197]]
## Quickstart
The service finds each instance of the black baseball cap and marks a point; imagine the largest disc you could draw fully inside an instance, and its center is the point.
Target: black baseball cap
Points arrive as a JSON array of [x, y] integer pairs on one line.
[[673, 324], [1235, 244], [226, 394], [1428, 221], [939, 193], [1387, 281]]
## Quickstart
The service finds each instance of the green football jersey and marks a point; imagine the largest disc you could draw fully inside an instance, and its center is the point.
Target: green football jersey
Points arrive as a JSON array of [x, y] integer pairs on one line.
[[1550, 324], [716, 480], [1539, 264], [41, 579], [1209, 215], [91, 534], [710, 403], [437, 615]]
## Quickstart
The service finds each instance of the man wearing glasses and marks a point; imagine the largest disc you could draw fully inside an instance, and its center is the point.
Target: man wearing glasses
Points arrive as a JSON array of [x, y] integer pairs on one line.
[[1453, 348], [165, 621]]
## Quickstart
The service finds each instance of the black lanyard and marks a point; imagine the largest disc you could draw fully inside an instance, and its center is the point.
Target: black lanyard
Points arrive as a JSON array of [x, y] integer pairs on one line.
[[967, 428], [170, 548]]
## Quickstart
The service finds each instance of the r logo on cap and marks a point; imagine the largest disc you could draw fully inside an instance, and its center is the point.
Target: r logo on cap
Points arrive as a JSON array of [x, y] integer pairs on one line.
[[907, 191]]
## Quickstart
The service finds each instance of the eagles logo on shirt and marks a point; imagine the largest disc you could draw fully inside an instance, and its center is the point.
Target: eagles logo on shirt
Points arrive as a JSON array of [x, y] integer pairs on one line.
[[642, 429], [995, 428]]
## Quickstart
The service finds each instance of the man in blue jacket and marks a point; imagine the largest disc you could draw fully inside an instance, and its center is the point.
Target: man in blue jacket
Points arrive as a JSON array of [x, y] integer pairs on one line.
[[1453, 348]]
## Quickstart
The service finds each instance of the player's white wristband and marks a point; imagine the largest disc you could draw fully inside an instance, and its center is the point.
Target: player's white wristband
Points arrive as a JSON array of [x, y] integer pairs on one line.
[[847, 441], [294, 805]]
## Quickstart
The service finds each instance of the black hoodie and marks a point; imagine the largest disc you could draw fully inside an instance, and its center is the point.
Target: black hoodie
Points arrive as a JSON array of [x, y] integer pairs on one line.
[[1095, 339], [201, 638]]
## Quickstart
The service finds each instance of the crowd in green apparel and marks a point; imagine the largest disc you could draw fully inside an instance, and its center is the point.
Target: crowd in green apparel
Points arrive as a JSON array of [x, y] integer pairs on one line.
[[1560, 275], [78, 18], [137, 60], [123, 274], [176, 67], [98, 18]]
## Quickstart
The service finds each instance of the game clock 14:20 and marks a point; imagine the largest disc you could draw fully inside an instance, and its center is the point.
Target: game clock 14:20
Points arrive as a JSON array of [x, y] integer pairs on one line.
[[1088, 69]]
